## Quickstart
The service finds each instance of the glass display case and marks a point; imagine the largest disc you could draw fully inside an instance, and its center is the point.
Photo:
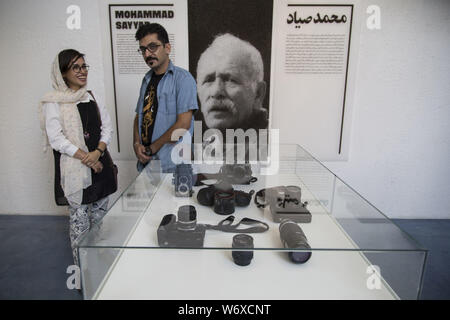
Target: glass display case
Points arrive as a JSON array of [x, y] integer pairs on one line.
[[350, 250]]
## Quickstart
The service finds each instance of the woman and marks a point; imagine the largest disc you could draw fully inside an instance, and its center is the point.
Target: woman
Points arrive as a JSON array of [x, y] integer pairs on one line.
[[78, 131]]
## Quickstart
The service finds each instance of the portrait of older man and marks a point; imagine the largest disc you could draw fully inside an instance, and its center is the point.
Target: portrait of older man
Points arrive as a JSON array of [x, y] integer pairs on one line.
[[231, 86]]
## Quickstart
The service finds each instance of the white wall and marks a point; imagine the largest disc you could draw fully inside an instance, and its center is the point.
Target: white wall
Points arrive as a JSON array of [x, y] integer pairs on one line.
[[399, 151], [32, 33], [400, 145]]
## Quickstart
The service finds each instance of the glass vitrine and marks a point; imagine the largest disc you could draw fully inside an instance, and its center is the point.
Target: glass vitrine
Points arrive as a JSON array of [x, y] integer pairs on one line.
[[355, 251]]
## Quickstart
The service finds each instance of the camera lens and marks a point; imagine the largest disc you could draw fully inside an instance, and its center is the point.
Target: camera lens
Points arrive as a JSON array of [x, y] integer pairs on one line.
[[187, 217], [183, 189], [293, 189], [206, 196], [294, 193], [292, 236], [183, 179], [242, 241], [224, 202]]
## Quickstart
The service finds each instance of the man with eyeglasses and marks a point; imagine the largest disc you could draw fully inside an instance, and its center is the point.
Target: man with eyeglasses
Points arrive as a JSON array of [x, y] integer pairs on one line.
[[167, 100]]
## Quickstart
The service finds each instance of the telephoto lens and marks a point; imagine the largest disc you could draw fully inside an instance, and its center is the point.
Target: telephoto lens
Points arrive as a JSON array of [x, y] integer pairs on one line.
[[292, 237], [242, 241]]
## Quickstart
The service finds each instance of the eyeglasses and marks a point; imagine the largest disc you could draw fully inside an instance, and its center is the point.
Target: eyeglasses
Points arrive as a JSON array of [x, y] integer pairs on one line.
[[152, 47], [77, 69]]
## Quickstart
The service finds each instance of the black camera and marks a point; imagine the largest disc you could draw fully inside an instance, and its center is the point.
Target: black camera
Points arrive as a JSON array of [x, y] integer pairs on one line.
[[184, 233], [285, 203], [237, 173], [183, 179], [224, 198]]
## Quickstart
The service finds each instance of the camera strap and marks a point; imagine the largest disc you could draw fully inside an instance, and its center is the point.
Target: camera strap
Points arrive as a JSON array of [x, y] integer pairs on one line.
[[226, 225]]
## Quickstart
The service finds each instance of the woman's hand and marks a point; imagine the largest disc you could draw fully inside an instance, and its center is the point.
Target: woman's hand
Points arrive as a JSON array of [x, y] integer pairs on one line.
[[97, 167], [91, 158]]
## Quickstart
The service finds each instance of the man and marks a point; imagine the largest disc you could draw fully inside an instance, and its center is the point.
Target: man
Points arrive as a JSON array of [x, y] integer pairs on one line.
[[230, 84], [167, 99]]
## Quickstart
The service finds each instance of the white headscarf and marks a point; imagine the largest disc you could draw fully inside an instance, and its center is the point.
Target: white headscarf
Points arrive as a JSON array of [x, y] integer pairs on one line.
[[75, 176]]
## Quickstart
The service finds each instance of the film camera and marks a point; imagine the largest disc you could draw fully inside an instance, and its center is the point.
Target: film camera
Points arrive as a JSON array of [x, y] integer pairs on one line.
[[284, 203], [237, 173], [183, 179], [184, 233]]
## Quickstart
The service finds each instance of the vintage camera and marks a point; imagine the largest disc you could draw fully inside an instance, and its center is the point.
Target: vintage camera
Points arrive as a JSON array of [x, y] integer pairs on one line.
[[237, 173], [185, 232], [224, 198], [284, 203], [183, 179]]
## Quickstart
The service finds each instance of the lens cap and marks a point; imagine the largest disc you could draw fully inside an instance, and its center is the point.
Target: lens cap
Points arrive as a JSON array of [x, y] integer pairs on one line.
[[299, 256]]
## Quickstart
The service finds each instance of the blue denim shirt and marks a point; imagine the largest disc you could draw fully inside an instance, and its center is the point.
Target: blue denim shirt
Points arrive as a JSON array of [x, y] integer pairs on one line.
[[176, 93]]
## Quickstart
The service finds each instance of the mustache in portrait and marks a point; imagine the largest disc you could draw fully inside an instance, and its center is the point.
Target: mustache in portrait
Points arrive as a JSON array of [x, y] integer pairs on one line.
[[213, 104]]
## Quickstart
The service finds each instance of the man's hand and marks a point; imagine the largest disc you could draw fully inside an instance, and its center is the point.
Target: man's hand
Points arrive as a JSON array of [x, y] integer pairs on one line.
[[91, 158], [139, 150]]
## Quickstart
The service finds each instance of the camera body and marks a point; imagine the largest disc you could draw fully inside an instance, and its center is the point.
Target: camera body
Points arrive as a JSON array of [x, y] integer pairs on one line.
[[183, 180], [237, 173], [185, 232], [285, 203]]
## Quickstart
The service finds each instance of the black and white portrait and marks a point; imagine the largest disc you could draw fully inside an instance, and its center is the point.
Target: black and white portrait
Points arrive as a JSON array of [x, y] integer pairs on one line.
[[229, 56]]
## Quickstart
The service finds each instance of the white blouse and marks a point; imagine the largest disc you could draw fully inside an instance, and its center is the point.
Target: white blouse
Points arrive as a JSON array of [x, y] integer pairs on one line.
[[55, 134]]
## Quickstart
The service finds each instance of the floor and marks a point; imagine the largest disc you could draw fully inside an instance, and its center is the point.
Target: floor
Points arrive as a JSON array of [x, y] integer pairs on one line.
[[35, 254]]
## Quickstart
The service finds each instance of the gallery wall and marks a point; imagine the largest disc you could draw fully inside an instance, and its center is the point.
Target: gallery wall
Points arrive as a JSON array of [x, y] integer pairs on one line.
[[399, 143], [32, 33]]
